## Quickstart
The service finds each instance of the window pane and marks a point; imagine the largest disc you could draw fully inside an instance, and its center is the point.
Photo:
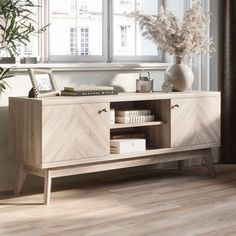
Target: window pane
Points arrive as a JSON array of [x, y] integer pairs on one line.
[[127, 39], [74, 22], [32, 48]]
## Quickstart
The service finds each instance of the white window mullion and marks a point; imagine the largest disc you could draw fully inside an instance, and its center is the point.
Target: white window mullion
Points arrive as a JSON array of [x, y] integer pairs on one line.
[[107, 31], [135, 29], [45, 36]]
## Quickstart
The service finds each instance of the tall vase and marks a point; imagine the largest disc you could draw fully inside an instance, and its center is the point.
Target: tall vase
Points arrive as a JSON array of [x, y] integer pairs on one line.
[[179, 75]]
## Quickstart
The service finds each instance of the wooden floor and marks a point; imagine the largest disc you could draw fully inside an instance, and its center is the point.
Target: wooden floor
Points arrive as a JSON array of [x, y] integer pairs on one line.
[[155, 202]]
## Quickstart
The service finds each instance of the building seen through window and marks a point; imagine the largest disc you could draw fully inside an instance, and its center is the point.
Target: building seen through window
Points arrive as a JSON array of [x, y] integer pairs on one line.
[[73, 41], [123, 34], [127, 38], [84, 41], [87, 28], [86, 20]]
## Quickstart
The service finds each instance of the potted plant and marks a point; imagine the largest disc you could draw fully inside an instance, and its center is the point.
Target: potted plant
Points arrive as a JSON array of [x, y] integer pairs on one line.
[[4, 74], [16, 27]]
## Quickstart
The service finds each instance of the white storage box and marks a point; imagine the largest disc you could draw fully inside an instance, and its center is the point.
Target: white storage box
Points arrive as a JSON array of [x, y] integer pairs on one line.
[[112, 116], [120, 146]]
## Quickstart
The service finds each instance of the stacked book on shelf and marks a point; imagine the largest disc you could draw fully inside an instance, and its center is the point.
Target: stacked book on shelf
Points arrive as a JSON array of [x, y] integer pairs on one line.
[[134, 116], [88, 91], [127, 135]]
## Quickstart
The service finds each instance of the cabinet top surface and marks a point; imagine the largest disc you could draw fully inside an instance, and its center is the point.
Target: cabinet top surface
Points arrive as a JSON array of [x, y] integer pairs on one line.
[[118, 98]]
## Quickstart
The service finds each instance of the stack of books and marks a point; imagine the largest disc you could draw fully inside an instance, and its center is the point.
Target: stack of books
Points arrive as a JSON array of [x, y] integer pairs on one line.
[[127, 135], [134, 116], [88, 91]]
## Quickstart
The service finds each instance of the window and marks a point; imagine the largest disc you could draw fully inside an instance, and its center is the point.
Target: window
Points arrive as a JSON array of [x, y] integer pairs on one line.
[[83, 7], [84, 41], [124, 1], [98, 30], [24, 51], [84, 17], [32, 49], [73, 41], [123, 34], [136, 46]]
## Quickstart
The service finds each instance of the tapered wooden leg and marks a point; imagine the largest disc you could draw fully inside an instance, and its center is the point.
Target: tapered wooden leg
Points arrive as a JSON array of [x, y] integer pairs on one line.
[[180, 164], [22, 174], [47, 186], [209, 162]]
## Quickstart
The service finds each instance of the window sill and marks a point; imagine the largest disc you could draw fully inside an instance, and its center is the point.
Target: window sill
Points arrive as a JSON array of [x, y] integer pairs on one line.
[[88, 66]]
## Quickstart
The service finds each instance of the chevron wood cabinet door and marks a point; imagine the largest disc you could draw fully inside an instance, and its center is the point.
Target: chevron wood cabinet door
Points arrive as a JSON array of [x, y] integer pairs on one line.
[[184, 122], [209, 119], [195, 121], [72, 132]]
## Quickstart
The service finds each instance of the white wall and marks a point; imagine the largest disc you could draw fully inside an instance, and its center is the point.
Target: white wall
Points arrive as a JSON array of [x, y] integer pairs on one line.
[[20, 85]]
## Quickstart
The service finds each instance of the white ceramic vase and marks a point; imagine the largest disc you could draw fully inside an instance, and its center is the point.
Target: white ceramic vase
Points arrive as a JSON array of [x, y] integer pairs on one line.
[[179, 75]]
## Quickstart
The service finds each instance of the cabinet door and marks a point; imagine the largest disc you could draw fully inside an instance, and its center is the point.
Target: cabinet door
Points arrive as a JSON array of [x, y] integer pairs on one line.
[[75, 131], [184, 122], [209, 109], [195, 121]]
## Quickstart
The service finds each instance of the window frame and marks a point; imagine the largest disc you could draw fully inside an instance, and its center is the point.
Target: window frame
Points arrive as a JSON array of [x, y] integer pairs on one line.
[[158, 58], [78, 58], [107, 45]]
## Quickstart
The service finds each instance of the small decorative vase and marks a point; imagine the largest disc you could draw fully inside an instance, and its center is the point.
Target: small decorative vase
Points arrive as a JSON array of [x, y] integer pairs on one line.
[[179, 75]]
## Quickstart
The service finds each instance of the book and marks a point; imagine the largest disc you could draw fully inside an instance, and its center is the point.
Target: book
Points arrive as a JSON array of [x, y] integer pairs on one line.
[[134, 119], [128, 135], [88, 93], [88, 88], [133, 112]]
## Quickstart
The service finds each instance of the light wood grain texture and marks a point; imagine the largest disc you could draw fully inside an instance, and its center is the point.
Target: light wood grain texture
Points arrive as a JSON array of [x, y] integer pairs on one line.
[[34, 171], [141, 202], [195, 121], [209, 117], [21, 177], [47, 187], [209, 162], [58, 172], [73, 132], [160, 135], [25, 131], [139, 124], [180, 164], [118, 157], [184, 122], [123, 97]]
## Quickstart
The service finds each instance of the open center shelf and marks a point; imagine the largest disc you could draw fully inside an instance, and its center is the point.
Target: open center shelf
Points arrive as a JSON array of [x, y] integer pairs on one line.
[[131, 125]]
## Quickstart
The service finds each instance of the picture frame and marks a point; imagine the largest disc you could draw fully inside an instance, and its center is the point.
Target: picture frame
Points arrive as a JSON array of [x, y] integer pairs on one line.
[[43, 83]]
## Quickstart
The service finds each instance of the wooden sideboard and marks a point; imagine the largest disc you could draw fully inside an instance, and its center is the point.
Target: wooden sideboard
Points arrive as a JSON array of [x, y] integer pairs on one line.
[[61, 136]]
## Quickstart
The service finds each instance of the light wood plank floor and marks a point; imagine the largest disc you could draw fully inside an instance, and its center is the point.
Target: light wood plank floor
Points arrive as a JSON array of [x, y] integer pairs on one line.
[[154, 202]]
